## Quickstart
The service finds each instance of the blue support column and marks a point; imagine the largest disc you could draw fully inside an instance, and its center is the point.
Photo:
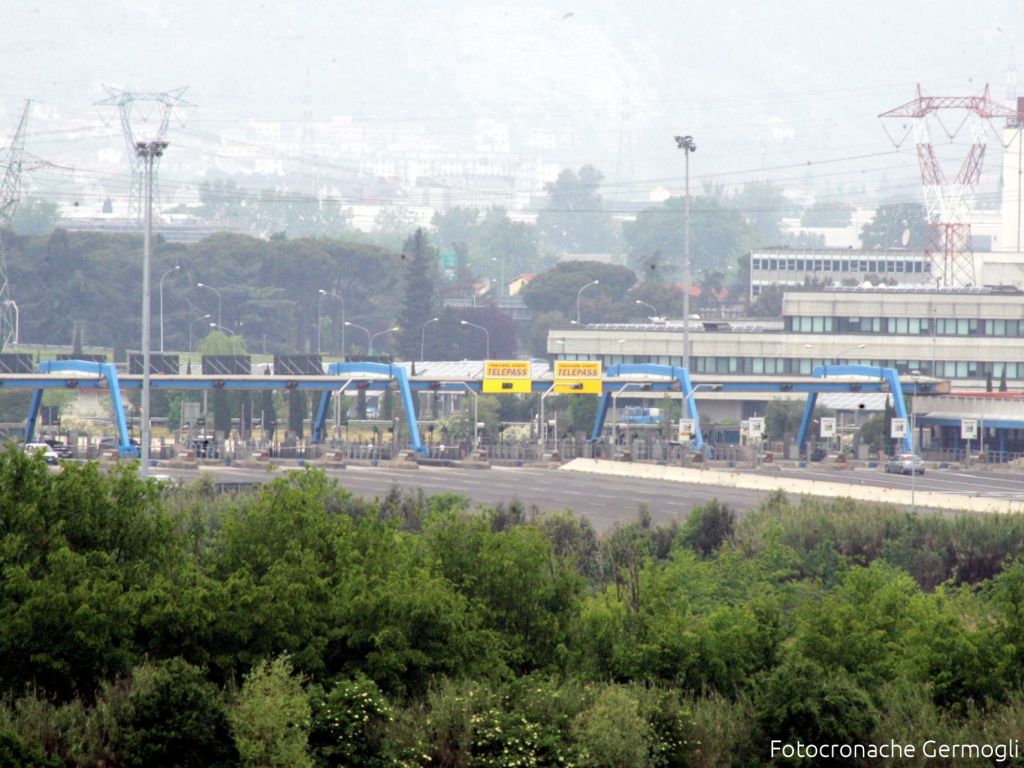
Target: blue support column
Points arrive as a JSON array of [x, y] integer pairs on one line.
[[398, 375], [891, 377], [805, 420], [322, 409], [683, 376], [33, 414], [599, 417], [109, 372], [667, 371]]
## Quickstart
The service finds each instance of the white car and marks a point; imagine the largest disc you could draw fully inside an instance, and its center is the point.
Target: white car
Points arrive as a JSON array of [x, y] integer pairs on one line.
[[49, 455]]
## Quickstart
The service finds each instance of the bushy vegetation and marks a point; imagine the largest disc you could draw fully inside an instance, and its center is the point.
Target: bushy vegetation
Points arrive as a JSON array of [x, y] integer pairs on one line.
[[299, 625]]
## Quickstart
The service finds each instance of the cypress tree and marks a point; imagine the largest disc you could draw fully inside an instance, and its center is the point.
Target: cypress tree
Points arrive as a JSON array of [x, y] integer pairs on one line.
[[418, 295], [76, 343], [296, 411]]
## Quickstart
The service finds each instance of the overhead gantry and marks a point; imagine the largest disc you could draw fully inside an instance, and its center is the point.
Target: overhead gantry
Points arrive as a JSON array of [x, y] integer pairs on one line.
[[78, 374]]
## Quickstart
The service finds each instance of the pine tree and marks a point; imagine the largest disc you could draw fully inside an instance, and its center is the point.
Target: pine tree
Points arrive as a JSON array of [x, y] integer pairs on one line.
[[419, 294]]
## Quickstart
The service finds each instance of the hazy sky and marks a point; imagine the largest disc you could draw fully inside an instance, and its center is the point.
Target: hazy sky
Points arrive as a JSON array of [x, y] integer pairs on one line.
[[759, 84]]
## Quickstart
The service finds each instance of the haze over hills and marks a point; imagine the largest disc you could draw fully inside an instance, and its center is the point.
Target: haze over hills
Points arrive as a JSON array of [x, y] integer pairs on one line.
[[608, 82]]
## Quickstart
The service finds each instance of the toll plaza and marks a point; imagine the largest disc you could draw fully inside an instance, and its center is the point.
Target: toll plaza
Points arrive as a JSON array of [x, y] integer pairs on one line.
[[472, 378]]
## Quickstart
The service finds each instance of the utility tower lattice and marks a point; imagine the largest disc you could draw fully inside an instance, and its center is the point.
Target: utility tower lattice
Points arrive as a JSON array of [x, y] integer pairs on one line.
[[10, 194], [948, 204], [127, 103]]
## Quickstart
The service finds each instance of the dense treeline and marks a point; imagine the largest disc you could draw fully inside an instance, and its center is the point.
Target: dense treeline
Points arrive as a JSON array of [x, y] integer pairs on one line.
[[301, 626], [268, 289]]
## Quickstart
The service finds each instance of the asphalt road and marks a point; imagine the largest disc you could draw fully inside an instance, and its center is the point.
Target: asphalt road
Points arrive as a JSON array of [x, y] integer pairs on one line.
[[996, 483], [605, 501]]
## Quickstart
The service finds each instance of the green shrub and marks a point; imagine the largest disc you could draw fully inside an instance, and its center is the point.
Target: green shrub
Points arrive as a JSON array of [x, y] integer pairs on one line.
[[270, 719]]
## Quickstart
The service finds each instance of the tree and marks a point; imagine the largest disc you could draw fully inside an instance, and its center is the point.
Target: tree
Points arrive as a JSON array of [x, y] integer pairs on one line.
[[271, 718], [574, 218], [708, 527], [350, 725], [298, 408], [768, 303], [455, 226], [541, 325], [35, 216], [418, 305], [557, 289], [174, 719], [718, 235], [395, 224], [764, 204], [896, 225], [612, 732], [505, 247], [825, 214]]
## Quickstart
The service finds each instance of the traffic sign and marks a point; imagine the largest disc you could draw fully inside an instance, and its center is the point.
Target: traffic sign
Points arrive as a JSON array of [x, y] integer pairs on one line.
[[449, 263], [898, 428], [577, 377], [507, 377], [968, 429], [828, 426]]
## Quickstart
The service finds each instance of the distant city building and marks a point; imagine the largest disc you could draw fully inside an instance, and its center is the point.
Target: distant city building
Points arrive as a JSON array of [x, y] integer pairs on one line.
[[517, 283]]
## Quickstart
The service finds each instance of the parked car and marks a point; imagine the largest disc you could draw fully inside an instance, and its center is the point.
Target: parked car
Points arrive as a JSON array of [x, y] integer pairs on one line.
[[48, 454], [111, 444], [905, 464], [62, 450]]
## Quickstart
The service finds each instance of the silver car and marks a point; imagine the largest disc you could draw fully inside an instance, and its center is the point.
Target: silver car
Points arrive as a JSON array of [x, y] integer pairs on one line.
[[905, 464]]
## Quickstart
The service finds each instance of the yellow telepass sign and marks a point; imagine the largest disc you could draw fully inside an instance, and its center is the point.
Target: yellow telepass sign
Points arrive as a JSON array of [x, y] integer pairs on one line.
[[577, 377], [506, 377]]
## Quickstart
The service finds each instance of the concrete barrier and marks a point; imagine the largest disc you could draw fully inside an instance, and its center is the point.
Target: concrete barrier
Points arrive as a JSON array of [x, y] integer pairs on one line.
[[796, 486]]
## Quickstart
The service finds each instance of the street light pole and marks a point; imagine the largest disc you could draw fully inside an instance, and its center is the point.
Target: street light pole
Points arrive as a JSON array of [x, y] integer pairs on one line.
[[579, 293], [210, 287], [191, 325], [913, 442], [651, 307], [17, 320], [423, 334], [369, 337], [487, 335], [686, 144], [175, 268], [319, 295], [148, 151], [223, 328], [382, 333]]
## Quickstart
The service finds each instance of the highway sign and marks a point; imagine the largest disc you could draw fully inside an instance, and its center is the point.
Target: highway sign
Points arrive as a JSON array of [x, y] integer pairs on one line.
[[755, 427], [577, 377], [506, 377], [828, 426], [898, 428], [686, 429]]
